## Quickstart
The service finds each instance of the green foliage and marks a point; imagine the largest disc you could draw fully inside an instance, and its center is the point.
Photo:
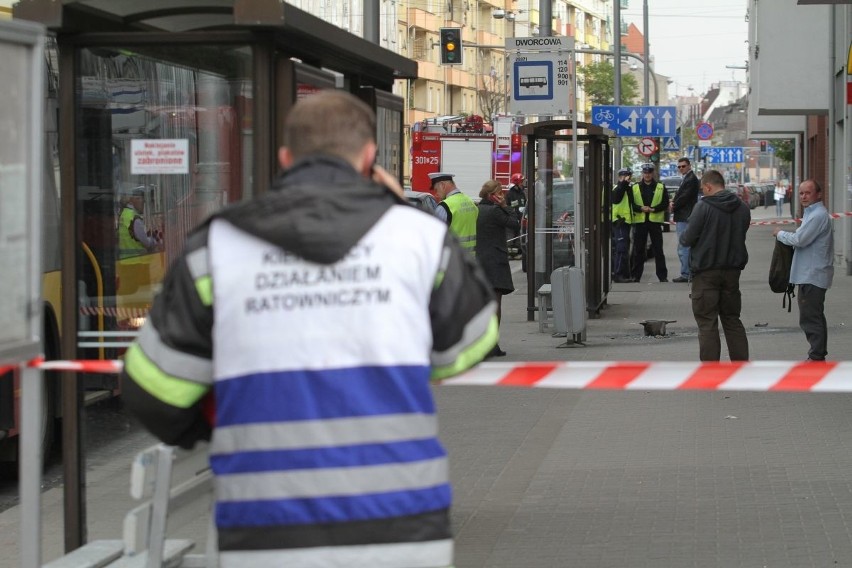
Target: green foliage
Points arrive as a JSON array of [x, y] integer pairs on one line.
[[598, 82], [784, 150]]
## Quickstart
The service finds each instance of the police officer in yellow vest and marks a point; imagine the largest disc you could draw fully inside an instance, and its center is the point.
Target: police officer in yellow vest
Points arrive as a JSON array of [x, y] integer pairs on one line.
[[650, 203], [133, 238], [622, 221], [456, 209]]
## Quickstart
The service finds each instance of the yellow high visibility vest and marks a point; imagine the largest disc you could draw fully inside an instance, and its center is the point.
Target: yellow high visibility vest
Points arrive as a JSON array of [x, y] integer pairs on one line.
[[656, 216], [463, 212]]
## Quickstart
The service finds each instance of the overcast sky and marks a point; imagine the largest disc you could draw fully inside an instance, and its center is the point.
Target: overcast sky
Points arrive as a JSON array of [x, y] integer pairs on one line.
[[691, 41]]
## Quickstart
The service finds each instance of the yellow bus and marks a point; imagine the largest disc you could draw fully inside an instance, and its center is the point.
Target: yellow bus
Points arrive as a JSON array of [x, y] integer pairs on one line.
[[161, 144]]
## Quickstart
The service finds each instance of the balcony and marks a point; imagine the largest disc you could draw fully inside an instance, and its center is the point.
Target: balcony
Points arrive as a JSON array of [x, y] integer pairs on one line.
[[533, 16], [430, 71], [421, 48], [468, 35], [424, 20], [417, 115], [460, 78], [488, 38]]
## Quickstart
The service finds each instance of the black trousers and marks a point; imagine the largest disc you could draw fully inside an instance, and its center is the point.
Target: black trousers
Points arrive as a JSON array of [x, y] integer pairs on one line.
[[812, 320], [641, 231], [621, 249], [716, 297]]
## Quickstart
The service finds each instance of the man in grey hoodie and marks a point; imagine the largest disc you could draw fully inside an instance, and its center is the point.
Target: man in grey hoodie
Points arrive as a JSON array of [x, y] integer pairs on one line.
[[717, 234]]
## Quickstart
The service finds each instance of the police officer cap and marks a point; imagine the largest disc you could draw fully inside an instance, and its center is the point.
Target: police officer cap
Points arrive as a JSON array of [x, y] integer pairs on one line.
[[131, 189], [647, 167], [625, 172], [440, 176]]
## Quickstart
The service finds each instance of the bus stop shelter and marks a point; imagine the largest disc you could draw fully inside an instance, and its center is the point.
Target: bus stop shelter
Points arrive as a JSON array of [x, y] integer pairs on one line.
[[179, 104], [561, 217]]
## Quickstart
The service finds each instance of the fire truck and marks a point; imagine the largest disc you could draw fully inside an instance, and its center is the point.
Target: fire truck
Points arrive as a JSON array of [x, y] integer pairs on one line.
[[467, 147]]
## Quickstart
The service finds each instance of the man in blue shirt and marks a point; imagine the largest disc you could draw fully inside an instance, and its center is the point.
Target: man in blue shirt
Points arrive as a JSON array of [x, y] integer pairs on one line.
[[812, 269]]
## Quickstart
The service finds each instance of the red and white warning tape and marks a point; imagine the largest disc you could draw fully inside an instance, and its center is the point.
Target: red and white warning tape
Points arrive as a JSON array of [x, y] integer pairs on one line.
[[115, 312], [758, 376], [109, 367], [797, 220], [569, 229], [751, 376]]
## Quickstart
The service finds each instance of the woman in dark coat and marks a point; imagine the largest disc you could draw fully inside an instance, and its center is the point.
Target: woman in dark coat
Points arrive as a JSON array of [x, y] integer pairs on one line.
[[494, 218]]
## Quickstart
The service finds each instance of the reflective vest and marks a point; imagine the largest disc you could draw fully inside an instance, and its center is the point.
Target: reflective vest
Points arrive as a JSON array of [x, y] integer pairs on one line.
[[623, 209], [128, 245], [463, 214], [656, 216], [292, 467]]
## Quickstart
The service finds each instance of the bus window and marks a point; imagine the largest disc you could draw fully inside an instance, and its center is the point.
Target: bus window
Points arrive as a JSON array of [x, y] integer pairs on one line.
[[162, 142]]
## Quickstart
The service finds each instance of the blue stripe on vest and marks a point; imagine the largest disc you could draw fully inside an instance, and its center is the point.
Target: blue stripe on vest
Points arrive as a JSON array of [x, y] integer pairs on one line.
[[332, 457], [234, 514], [325, 393]]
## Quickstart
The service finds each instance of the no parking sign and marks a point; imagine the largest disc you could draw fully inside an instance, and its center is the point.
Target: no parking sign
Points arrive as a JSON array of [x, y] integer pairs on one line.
[[704, 131]]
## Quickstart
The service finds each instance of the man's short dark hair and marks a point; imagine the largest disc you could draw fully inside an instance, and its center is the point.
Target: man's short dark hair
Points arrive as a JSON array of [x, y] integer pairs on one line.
[[684, 159], [329, 122], [714, 178]]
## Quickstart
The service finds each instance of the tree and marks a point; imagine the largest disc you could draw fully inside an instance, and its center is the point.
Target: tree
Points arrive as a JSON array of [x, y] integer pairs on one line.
[[491, 95], [598, 81], [783, 150]]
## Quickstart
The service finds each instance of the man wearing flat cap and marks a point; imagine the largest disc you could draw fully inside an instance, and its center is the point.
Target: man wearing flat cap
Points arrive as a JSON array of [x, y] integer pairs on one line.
[[456, 209]]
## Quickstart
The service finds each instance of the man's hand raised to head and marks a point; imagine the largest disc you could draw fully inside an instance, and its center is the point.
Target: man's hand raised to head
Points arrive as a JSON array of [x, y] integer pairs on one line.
[[383, 177]]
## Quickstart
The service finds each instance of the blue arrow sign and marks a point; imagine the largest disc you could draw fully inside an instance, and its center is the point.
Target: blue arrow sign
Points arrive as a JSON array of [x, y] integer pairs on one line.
[[629, 121], [723, 154]]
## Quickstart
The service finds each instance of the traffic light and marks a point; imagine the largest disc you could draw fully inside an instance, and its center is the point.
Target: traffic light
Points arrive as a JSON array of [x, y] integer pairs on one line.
[[655, 157], [763, 145], [451, 46]]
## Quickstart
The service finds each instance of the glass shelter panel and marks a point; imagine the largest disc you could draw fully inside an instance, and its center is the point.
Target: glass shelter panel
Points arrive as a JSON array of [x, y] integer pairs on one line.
[[556, 215], [163, 139]]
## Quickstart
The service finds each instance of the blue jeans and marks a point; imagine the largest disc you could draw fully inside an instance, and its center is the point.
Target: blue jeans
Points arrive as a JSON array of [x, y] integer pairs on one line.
[[682, 251]]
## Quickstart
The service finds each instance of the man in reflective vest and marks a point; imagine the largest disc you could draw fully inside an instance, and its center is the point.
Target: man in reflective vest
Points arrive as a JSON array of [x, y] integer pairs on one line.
[[133, 238], [650, 203], [313, 343], [622, 221], [456, 209]]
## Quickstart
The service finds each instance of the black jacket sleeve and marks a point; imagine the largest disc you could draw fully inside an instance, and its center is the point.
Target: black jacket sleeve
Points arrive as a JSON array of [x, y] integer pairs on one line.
[[619, 190], [687, 193]]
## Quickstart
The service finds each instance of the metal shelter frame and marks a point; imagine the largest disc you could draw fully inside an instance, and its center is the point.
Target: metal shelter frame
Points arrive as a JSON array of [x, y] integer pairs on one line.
[[592, 200]]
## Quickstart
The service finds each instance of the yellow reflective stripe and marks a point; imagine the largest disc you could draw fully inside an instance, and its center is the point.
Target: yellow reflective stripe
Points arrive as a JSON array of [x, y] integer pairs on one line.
[[439, 278], [204, 287], [475, 353], [171, 390], [442, 268]]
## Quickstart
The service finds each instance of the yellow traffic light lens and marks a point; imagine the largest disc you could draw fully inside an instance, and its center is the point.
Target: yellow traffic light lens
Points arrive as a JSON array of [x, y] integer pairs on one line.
[[451, 46]]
